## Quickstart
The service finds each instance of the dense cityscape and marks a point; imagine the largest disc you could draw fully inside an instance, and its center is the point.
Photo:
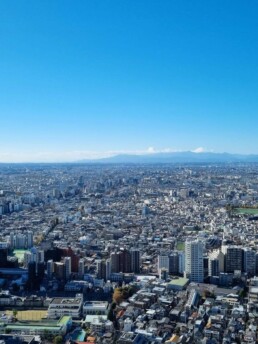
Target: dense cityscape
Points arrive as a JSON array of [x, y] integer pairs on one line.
[[128, 253]]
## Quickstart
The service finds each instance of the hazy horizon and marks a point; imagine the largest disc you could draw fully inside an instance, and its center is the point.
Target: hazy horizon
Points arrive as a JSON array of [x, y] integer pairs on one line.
[[75, 157]]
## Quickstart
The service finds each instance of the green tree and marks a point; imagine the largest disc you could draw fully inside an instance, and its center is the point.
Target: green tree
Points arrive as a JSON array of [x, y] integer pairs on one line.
[[58, 340], [15, 312]]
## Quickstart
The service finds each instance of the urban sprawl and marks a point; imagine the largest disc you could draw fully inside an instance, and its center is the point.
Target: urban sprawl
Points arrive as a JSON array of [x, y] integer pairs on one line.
[[128, 254]]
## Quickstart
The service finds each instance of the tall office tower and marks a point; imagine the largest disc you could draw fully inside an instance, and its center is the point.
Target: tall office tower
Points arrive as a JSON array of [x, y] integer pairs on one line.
[[214, 267], [233, 258], [217, 255], [19, 241], [59, 270], [124, 261], [29, 239], [40, 256], [11, 240], [173, 263], [181, 262], [205, 267], [249, 261], [135, 260], [101, 269], [114, 262], [108, 269], [67, 267], [81, 267], [163, 262], [50, 268], [194, 260], [32, 274], [68, 252]]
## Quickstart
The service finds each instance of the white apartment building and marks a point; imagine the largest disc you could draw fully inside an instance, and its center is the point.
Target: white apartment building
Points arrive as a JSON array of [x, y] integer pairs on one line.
[[95, 308], [194, 260], [65, 306], [163, 262]]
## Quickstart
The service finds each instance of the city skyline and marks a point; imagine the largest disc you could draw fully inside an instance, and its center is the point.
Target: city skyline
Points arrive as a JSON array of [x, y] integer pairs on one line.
[[96, 79]]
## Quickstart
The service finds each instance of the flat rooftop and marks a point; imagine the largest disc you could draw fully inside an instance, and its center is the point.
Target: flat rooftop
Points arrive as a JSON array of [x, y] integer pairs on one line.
[[128, 335], [92, 304], [253, 290], [181, 282], [91, 318], [66, 301], [32, 328]]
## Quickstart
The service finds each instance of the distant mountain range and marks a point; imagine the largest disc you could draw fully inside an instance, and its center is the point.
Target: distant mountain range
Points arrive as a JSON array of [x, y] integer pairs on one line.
[[176, 157]]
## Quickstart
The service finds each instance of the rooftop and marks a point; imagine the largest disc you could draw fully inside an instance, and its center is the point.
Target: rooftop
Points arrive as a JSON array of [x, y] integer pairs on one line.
[[98, 304], [179, 281], [60, 300]]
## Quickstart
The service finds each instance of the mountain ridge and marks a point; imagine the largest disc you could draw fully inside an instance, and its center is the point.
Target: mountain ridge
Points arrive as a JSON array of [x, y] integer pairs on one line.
[[176, 157]]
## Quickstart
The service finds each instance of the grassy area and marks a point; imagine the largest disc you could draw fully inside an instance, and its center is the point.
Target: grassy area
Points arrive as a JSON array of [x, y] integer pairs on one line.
[[246, 211], [180, 246], [29, 315], [64, 319], [19, 254]]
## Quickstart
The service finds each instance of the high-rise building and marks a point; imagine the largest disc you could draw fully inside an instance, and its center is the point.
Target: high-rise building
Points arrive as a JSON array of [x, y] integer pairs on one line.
[[213, 256], [40, 256], [249, 261], [121, 261], [213, 267], [59, 270], [233, 258], [81, 267], [194, 260], [21, 240], [108, 269], [101, 269], [68, 252], [181, 262], [205, 267], [32, 274], [135, 260], [124, 261], [67, 267], [11, 240], [163, 262], [50, 268], [114, 262], [27, 258], [29, 239], [173, 263]]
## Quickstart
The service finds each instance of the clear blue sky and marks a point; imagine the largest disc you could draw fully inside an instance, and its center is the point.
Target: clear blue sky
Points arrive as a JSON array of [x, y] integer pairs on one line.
[[88, 77]]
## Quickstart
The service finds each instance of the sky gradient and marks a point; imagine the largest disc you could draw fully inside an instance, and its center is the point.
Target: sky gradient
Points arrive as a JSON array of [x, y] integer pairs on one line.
[[89, 78]]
